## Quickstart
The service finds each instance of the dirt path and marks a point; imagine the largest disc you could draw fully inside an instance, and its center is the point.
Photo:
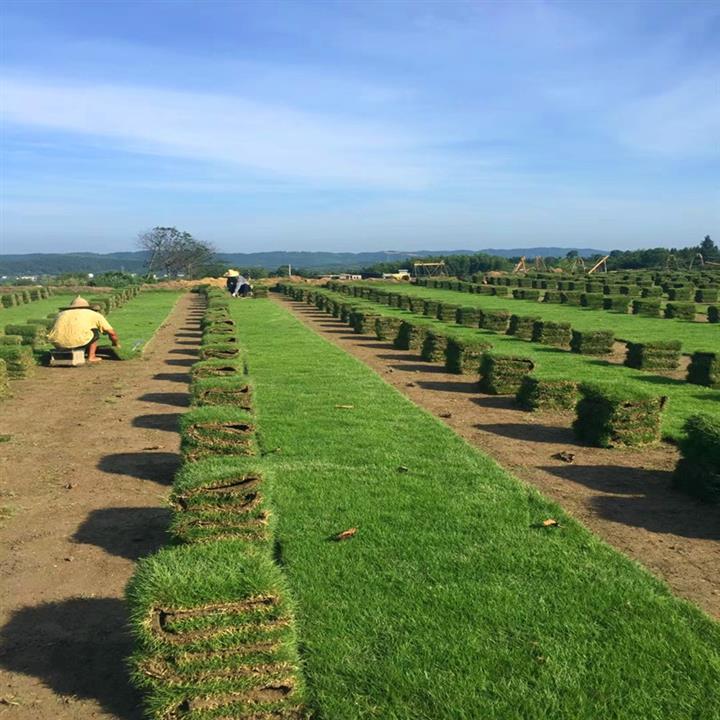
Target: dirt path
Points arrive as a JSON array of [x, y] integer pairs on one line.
[[623, 496], [83, 482]]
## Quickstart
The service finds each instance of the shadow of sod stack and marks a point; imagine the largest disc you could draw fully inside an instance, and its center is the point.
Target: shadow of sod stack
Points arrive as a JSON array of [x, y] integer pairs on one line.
[[607, 416], [212, 617]]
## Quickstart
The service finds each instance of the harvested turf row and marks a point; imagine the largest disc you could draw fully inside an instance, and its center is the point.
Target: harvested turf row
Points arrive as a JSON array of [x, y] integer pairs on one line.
[[212, 620], [441, 603]]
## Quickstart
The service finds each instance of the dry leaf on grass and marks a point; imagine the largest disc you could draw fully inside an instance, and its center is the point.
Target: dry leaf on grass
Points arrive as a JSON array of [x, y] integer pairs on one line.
[[344, 407], [550, 522], [345, 535]]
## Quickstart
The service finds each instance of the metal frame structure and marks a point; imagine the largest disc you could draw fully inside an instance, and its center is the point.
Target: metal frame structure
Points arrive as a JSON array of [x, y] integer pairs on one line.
[[429, 269]]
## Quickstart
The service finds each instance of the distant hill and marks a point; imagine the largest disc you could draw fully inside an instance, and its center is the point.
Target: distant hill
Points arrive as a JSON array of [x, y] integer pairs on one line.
[[134, 262]]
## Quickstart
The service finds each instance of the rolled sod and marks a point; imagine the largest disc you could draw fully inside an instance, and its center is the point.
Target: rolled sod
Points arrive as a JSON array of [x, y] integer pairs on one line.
[[704, 369], [209, 338], [646, 307], [707, 295], [218, 368], [236, 390], [592, 342], [608, 417], [545, 394], [8, 300], [411, 335], [433, 347], [11, 340], [661, 355], [468, 316], [552, 296], [592, 300], [521, 326], [19, 359], [680, 310], [547, 332], [217, 430], [260, 291], [221, 351], [698, 471], [447, 312], [386, 328], [682, 293], [4, 378], [463, 357], [503, 374], [31, 334], [495, 320], [713, 313], [214, 635], [417, 305], [618, 303], [363, 321], [430, 308]]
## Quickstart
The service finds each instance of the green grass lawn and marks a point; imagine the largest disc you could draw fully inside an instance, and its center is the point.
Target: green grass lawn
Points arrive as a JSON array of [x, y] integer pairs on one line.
[[451, 602], [684, 399], [37, 309], [693, 335]]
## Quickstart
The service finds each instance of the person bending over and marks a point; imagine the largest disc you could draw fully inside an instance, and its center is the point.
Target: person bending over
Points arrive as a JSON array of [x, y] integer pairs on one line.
[[79, 326]]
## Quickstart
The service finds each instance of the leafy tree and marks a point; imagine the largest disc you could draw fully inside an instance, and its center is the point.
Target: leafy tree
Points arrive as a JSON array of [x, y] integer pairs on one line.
[[175, 252], [709, 249]]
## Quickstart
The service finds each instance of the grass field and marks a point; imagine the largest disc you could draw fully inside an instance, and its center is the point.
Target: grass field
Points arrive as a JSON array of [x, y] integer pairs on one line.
[[693, 335], [37, 309], [452, 601], [684, 399]]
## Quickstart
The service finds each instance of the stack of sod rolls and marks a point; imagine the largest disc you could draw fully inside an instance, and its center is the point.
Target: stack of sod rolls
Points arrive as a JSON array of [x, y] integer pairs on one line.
[[18, 358], [618, 303], [447, 312], [411, 335], [32, 335], [713, 313], [592, 300], [547, 332], [363, 321], [522, 326], [211, 616], [495, 320], [704, 369], [698, 471], [592, 342], [546, 394], [430, 308], [4, 377], [660, 355], [468, 316], [503, 374], [417, 305], [680, 310], [463, 357], [647, 307], [386, 328], [434, 345], [607, 416]]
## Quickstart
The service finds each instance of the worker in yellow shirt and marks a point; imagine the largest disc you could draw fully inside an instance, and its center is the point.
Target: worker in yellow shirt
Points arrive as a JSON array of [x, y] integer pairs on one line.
[[79, 326]]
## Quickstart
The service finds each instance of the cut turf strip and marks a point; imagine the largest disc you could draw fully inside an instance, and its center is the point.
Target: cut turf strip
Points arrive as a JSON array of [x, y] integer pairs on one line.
[[452, 599]]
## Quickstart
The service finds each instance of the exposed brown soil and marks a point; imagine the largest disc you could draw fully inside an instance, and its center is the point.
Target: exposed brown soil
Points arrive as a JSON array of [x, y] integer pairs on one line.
[[624, 496], [84, 478]]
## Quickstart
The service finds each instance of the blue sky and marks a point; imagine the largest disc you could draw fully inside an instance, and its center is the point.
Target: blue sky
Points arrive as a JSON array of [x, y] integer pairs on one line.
[[360, 125]]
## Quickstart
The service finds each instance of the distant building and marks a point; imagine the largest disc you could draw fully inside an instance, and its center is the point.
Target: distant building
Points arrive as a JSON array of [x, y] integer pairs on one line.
[[341, 276]]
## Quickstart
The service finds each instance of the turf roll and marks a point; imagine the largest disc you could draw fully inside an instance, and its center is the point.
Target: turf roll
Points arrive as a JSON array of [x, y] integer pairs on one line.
[[546, 394], [32, 335], [463, 357], [217, 430], [430, 308], [4, 380], [447, 312], [221, 351], [698, 471], [609, 417], [557, 334], [417, 305], [218, 368], [592, 342], [214, 635], [411, 335], [236, 390], [495, 320], [617, 303], [11, 340], [503, 374], [646, 307], [660, 355], [704, 369], [468, 316], [19, 359], [680, 310], [386, 328], [363, 321], [707, 295], [521, 326], [433, 347]]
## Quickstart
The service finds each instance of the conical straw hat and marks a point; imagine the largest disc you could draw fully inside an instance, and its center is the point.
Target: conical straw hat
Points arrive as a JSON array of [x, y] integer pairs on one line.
[[78, 302]]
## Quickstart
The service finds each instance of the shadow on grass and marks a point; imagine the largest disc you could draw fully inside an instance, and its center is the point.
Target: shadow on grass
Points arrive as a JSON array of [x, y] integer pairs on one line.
[[530, 432], [178, 399], [160, 467], [643, 498], [159, 421], [77, 648], [129, 532]]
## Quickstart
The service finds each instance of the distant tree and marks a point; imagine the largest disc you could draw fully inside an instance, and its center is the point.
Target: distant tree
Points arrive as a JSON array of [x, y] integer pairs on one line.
[[572, 254], [709, 249], [174, 252]]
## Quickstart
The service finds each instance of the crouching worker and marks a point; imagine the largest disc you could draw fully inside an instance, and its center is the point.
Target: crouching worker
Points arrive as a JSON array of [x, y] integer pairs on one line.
[[79, 326]]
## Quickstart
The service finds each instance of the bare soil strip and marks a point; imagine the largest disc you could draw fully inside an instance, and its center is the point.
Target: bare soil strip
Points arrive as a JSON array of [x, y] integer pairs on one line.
[[83, 480], [624, 496]]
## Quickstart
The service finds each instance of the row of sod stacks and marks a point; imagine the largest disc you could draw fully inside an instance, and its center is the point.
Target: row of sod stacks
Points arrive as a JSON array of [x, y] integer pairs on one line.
[[19, 359], [680, 310], [547, 394], [30, 334], [713, 313], [522, 326], [592, 342], [698, 471], [653, 356], [495, 320], [211, 616], [434, 346], [22, 297], [4, 377], [704, 369], [609, 417], [503, 374]]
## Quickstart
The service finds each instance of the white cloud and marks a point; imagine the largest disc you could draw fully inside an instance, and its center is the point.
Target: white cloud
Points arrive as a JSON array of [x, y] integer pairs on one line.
[[277, 140]]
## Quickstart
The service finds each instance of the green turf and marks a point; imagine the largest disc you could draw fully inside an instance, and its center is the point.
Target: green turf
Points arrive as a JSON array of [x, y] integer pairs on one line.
[[693, 335], [684, 399], [37, 308], [452, 601]]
